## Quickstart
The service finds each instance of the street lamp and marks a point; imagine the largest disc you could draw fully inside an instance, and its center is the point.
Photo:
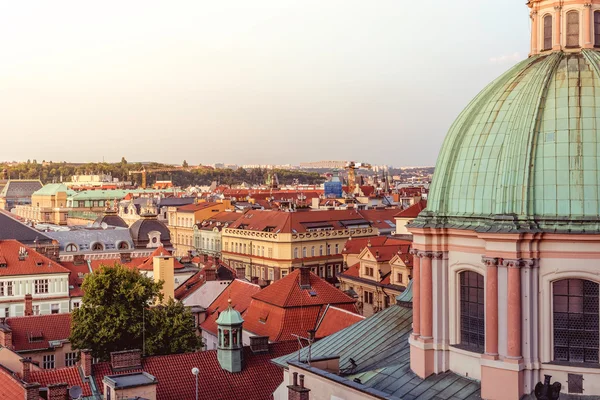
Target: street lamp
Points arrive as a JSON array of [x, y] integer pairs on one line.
[[196, 371]]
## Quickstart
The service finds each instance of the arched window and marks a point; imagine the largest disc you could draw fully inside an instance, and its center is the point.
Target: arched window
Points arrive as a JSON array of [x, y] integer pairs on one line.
[[312, 251], [547, 32], [123, 246], [296, 252], [304, 252], [572, 29], [71, 248], [597, 28], [575, 321], [472, 311], [97, 246]]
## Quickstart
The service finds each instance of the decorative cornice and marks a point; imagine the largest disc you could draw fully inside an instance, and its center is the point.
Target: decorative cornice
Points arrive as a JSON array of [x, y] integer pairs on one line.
[[519, 262], [490, 261], [437, 255], [557, 8], [587, 5]]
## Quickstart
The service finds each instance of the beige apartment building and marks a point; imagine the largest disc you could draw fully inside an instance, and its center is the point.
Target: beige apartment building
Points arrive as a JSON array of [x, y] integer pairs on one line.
[[182, 220], [268, 245], [48, 205]]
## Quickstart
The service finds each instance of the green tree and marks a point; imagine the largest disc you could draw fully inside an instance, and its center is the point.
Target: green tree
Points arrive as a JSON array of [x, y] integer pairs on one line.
[[112, 313], [185, 164], [170, 329]]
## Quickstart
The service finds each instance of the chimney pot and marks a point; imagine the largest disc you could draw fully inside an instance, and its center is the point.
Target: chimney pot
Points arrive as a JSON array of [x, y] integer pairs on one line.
[[295, 379], [305, 277], [86, 362], [302, 381]]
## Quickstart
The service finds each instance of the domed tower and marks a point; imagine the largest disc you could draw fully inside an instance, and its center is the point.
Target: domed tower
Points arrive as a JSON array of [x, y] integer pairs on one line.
[[505, 267], [230, 352]]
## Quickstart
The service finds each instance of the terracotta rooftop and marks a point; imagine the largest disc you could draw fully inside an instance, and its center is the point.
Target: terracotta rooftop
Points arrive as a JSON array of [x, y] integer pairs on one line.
[[240, 292], [36, 331], [190, 285], [70, 375], [11, 385], [334, 320], [32, 264], [197, 207], [257, 381], [297, 222], [287, 292], [412, 211]]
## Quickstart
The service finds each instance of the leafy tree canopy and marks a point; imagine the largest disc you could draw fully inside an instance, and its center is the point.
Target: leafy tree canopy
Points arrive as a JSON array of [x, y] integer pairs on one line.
[[116, 314]]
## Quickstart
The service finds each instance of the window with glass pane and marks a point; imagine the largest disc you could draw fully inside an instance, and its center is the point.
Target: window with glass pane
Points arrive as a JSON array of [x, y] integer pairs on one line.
[[472, 311], [575, 321], [573, 29], [547, 32], [597, 28]]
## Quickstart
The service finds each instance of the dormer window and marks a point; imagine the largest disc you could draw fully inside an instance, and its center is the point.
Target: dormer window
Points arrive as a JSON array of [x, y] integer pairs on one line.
[[71, 248], [97, 247], [33, 337]]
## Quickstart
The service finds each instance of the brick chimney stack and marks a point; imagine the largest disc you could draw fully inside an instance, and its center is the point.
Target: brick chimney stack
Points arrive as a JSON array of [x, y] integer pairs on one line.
[[297, 391], [304, 277], [58, 391], [28, 305], [86, 362], [210, 274], [6, 336], [25, 368], [32, 391], [126, 359]]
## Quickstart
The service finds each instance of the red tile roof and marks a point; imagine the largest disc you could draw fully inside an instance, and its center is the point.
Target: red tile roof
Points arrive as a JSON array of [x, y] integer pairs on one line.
[[294, 222], [148, 263], [286, 292], [240, 292], [379, 218], [219, 220], [257, 381], [189, 286], [335, 319], [197, 207], [75, 280], [356, 245], [412, 211], [33, 264], [49, 327], [11, 387], [353, 270], [70, 375]]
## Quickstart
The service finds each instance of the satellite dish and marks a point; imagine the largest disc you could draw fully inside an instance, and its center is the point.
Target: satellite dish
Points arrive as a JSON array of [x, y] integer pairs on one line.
[[75, 392], [104, 225]]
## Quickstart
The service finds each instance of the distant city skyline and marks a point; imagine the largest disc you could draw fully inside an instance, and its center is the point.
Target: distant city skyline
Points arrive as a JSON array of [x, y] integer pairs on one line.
[[274, 82]]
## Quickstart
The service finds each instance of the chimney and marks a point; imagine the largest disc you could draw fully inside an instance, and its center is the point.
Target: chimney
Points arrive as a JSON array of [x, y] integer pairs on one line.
[[240, 273], [28, 305], [125, 257], [163, 268], [25, 368], [254, 280], [210, 274], [259, 344], [6, 336], [32, 391], [86, 362], [205, 257], [58, 391], [126, 359], [304, 277], [297, 391]]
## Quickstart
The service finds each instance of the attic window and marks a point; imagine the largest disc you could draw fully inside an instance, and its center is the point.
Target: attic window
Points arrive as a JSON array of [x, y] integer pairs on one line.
[[262, 318], [312, 293], [243, 226], [269, 229], [39, 263], [33, 337]]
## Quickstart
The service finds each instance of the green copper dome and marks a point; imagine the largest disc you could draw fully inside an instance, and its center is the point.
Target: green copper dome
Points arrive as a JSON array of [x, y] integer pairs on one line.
[[525, 153], [230, 317]]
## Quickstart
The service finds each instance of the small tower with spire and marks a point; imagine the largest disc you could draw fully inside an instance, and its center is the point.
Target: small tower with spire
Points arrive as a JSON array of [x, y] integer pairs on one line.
[[230, 352]]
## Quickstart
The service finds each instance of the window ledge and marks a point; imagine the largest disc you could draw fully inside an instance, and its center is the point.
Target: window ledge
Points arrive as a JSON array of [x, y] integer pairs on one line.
[[467, 350], [575, 366]]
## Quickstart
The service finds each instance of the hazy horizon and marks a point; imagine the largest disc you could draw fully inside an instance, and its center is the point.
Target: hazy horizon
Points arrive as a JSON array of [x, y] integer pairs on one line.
[[262, 82]]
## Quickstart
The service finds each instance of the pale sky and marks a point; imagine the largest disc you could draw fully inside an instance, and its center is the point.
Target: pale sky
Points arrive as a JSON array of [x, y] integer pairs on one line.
[[246, 81]]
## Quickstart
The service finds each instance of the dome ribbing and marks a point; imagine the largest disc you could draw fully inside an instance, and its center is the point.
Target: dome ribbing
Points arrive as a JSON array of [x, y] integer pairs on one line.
[[525, 153]]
